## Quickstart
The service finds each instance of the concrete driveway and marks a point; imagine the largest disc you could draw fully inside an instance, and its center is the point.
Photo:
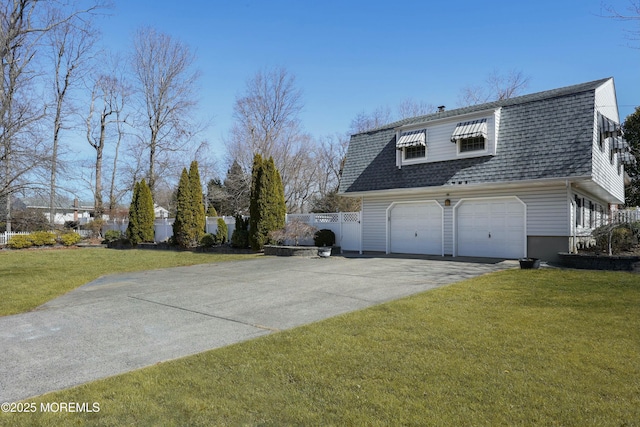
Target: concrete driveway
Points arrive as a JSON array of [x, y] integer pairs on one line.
[[127, 321]]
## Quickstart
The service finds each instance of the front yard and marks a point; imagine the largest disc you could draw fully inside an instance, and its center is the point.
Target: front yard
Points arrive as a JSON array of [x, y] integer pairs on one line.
[[29, 278], [543, 347]]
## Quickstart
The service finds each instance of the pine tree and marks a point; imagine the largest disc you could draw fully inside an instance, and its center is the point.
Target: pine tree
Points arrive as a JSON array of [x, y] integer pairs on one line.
[[134, 227], [267, 205], [146, 213], [182, 226], [197, 205], [141, 215]]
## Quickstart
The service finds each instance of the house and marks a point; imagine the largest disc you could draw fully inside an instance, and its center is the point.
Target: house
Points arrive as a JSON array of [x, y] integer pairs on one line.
[[526, 176], [65, 210]]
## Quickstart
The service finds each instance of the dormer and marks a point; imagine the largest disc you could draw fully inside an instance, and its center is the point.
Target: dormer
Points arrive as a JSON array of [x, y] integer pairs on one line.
[[448, 138]]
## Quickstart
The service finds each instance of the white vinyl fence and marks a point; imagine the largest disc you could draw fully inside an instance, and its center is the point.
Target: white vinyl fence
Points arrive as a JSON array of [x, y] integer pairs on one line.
[[345, 225], [163, 227]]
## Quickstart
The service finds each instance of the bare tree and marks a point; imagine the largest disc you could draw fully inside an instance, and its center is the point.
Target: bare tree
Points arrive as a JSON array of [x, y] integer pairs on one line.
[[497, 87], [70, 48], [632, 14], [166, 83], [23, 25], [104, 120], [267, 122], [411, 108], [364, 122]]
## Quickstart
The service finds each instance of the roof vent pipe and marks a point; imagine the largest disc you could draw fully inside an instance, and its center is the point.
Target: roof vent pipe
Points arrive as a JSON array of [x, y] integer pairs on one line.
[[441, 108]]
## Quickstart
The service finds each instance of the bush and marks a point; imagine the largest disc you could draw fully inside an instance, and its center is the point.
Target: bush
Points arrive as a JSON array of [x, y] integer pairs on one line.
[[208, 240], [324, 237], [223, 230], [621, 236], [112, 236], [69, 239], [42, 238], [21, 241], [240, 235]]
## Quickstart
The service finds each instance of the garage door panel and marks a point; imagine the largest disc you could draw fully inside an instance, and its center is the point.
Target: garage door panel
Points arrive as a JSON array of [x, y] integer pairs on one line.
[[491, 228], [416, 228]]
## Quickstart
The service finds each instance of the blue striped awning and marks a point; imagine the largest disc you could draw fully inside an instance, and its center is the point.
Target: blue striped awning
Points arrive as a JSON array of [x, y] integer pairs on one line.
[[618, 144], [412, 138], [627, 158], [471, 129]]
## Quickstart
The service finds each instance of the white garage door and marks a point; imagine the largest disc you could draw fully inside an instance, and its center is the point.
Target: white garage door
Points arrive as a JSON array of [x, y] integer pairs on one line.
[[491, 228], [416, 228]]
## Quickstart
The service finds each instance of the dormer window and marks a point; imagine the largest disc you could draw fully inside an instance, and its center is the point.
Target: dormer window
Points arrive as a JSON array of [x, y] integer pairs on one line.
[[472, 144], [470, 136], [413, 144], [417, 152]]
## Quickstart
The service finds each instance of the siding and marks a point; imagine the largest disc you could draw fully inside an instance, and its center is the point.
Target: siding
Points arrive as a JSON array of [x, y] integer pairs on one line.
[[548, 212], [440, 147], [606, 172]]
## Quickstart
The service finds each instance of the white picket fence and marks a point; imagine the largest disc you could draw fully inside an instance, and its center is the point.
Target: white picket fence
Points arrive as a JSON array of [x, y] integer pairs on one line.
[[345, 225], [5, 237]]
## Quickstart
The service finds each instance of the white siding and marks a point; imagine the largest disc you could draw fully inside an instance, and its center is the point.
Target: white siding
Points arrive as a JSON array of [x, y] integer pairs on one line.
[[439, 145], [548, 212], [606, 172]]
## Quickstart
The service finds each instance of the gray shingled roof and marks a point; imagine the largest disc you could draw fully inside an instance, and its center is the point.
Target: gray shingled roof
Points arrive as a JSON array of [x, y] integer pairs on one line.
[[542, 135]]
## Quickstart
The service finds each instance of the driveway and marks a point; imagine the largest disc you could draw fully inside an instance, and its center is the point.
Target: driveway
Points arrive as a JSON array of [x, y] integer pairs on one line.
[[123, 322]]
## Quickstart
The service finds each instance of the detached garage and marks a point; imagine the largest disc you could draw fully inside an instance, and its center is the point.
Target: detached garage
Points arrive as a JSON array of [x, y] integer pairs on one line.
[[494, 227], [415, 228]]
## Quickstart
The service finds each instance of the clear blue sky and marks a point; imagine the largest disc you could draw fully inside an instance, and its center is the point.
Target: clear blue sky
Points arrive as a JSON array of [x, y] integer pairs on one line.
[[353, 56]]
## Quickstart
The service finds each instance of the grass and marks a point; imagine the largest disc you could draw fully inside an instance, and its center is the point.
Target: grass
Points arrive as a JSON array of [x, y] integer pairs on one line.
[[31, 278], [511, 348]]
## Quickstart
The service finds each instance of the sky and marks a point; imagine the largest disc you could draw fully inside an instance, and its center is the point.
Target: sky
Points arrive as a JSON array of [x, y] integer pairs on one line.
[[350, 57]]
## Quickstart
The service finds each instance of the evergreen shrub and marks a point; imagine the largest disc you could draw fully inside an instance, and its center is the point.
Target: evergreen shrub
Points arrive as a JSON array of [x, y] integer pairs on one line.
[[208, 240], [20, 241], [324, 237], [222, 233], [112, 236], [43, 238], [240, 235], [69, 239]]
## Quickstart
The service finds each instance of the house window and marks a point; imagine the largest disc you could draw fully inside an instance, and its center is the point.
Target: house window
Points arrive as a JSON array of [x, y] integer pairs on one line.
[[416, 152], [413, 144], [472, 144], [579, 212], [470, 136]]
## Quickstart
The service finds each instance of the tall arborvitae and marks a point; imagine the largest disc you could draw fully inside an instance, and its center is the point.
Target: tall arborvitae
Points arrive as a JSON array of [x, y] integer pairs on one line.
[[146, 213], [141, 215], [183, 224], [277, 208], [134, 227], [256, 204], [197, 205], [267, 206]]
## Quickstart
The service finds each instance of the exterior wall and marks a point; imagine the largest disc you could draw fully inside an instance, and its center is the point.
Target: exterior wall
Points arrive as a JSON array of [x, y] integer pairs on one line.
[[606, 169], [548, 212], [547, 247], [439, 145]]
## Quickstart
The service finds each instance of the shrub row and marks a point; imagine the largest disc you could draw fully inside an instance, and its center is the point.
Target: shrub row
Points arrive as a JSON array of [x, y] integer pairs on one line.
[[42, 238]]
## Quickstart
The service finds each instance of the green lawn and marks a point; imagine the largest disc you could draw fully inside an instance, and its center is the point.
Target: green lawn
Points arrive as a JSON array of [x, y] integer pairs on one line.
[[29, 278], [515, 348]]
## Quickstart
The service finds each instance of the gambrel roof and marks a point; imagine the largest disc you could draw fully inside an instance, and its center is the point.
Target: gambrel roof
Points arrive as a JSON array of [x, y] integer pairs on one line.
[[541, 135]]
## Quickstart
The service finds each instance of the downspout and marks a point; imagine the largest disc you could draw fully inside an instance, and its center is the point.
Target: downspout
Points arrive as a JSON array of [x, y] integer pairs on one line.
[[361, 217], [572, 223]]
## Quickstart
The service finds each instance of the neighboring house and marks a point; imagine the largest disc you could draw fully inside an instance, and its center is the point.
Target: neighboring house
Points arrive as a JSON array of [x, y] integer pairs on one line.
[[525, 176], [160, 212], [66, 211]]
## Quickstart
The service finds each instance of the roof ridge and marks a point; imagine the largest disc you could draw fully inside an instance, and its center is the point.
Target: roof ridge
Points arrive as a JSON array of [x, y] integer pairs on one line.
[[522, 99]]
